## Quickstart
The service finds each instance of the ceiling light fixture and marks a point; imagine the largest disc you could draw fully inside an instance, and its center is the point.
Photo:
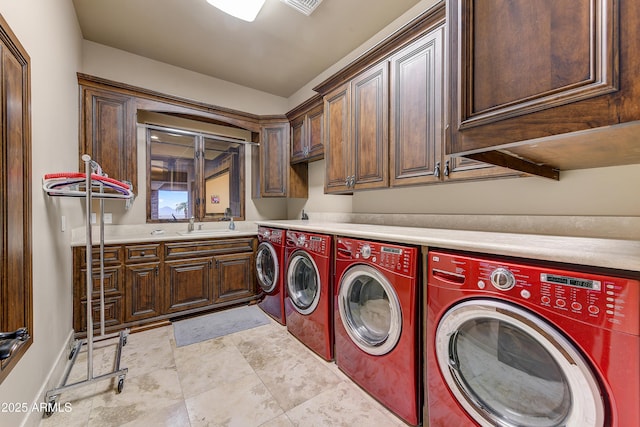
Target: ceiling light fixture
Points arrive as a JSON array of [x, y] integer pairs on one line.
[[246, 10]]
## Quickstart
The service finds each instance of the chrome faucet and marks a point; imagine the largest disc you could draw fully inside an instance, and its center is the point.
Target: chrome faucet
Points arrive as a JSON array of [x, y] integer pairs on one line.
[[192, 221]]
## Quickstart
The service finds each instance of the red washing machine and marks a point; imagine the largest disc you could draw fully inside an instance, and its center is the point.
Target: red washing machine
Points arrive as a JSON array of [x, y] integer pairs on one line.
[[521, 343], [376, 324], [308, 284], [270, 271]]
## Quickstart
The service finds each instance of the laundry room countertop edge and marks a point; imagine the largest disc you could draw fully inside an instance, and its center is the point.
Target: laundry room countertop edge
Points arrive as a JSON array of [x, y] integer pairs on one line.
[[596, 252]]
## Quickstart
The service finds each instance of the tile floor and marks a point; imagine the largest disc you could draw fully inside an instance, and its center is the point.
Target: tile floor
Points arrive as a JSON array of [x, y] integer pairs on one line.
[[259, 377]]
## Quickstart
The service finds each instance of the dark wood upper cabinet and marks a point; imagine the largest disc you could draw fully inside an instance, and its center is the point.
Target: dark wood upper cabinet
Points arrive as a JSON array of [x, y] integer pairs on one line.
[[109, 132], [544, 81], [274, 176], [16, 278], [357, 132], [417, 111], [307, 131]]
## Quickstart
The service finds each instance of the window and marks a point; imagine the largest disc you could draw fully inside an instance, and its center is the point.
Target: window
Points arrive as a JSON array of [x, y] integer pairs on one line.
[[193, 174]]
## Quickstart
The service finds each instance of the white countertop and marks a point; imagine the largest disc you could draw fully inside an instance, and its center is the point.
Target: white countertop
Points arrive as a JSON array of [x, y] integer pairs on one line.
[[597, 252], [607, 253]]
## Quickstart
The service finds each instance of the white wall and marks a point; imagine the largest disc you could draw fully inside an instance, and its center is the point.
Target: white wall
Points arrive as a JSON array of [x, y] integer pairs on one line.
[[50, 33]]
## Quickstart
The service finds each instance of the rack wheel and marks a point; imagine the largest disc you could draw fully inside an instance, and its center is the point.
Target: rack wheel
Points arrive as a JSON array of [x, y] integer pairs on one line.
[[51, 404], [120, 385]]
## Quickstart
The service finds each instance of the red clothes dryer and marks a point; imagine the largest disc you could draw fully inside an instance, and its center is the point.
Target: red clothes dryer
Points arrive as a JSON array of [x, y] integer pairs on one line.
[[270, 271], [524, 343], [377, 322], [308, 306]]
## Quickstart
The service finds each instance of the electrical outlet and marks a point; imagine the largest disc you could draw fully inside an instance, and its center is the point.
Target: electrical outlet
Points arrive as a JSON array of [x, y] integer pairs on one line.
[[108, 218]]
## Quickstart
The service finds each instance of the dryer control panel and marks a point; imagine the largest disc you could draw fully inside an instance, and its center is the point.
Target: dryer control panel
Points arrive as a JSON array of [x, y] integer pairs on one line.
[[610, 302], [388, 256]]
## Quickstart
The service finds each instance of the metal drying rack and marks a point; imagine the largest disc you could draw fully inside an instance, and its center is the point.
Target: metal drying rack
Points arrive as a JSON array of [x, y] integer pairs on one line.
[[71, 185]]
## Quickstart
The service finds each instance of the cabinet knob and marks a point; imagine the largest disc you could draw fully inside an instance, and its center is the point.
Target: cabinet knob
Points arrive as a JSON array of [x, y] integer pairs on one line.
[[141, 253]]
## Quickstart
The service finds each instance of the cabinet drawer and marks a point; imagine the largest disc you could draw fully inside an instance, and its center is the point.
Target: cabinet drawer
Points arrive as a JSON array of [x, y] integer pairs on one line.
[[112, 255], [112, 313], [112, 281], [207, 247], [142, 253]]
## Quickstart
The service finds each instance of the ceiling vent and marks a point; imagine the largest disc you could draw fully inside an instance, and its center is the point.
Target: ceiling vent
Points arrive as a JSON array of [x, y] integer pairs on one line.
[[303, 6]]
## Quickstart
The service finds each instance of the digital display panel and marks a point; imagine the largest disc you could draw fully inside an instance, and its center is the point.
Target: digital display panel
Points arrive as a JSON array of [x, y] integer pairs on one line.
[[594, 285], [391, 250]]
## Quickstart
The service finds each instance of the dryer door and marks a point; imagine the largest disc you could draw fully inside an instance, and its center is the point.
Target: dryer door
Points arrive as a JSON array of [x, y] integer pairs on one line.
[[507, 367], [369, 309], [267, 267], [303, 282]]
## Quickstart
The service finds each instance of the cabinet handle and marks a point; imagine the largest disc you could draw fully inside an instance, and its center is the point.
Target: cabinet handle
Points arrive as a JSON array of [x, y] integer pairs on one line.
[[436, 171], [157, 271], [346, 182], [352, 180], [447, 168]]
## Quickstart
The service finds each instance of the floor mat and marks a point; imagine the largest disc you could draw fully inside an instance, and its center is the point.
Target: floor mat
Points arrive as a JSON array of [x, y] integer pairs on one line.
[[206, 327]]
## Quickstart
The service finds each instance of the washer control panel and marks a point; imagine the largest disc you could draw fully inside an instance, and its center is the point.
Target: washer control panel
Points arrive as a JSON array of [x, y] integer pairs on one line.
[[391, 257], [272, 235], [608, 301], [316, 243]]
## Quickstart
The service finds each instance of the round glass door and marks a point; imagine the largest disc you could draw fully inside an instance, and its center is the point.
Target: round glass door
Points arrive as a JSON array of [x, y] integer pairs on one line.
[[267, 267], [507, 367], [303, 282], [370, 310]]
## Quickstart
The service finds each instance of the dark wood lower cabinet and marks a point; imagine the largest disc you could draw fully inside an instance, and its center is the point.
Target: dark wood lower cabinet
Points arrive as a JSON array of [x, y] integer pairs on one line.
[[188, 284], [234, 277], [154, 282], [142, 291]]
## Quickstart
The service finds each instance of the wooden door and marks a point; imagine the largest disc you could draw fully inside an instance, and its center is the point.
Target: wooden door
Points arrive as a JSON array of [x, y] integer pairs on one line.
[[370, 128], [108, 133], [526, 69], [142, 291], [417, 111], [337, 139], [188, 284], [315, 133], [234, 277], [299, 144], [16, 279]]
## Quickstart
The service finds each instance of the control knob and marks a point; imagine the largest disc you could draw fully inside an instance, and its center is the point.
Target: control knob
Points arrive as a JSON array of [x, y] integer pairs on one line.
[[365, 251], [301, 240], [503, 279]]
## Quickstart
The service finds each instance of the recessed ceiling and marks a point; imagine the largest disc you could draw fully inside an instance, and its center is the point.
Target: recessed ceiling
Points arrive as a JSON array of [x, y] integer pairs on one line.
[[278, 53]]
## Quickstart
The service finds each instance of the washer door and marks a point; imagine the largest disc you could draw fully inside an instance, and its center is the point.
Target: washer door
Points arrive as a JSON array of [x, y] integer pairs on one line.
[[267, 267], [303, 282], [507, 367], [369, 309]]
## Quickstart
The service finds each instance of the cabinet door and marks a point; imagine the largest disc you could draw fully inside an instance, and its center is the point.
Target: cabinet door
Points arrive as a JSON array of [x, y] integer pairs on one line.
[[142, 291], [315, 133], [188, 284], [416, 107], [299, 145], [370, 128], [234, 277], [337, 117], [108, 133], [528, 69], [274, 162]]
